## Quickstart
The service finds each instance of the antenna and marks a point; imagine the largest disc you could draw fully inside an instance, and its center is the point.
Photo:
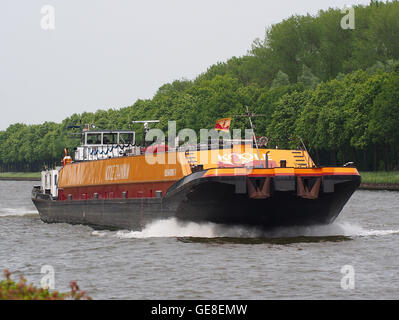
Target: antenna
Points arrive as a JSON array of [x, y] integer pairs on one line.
[[146, 121], [74, 135], [146, 128], [249, 115]]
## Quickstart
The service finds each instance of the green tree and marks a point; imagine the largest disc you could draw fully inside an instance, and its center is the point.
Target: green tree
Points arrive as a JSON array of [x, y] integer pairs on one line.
[[281, 131], [308, 78], [281, 79], [384, 119]]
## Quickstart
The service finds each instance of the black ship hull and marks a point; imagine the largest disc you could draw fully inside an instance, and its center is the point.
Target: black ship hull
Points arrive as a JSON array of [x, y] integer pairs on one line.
[[223, 200]]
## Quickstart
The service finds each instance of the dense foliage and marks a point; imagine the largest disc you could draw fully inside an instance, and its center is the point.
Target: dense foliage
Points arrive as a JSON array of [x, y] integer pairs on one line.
[[336, 89]]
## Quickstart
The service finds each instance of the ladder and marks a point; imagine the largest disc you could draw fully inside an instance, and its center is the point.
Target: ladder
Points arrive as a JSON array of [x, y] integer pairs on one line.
[[300, 159]]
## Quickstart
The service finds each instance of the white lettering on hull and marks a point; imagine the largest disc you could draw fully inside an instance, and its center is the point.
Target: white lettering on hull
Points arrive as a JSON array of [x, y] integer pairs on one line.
[[117, 172]]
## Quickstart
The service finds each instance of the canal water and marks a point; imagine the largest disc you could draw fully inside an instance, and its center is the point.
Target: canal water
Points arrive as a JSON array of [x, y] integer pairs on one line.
[[357, 257]]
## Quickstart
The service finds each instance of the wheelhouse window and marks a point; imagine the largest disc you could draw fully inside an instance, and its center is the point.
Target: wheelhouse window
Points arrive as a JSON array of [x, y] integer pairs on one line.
[[110, 138], [94, 138], [126, 138]]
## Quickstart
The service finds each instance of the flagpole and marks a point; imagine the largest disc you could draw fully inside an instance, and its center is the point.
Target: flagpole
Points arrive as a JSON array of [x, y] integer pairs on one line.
[[249, 115], [253, 133]]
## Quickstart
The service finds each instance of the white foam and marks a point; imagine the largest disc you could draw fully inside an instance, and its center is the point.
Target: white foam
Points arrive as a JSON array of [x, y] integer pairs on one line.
[[174, 228], [170, 228], [99, 233], [12, 212], [356, 230]]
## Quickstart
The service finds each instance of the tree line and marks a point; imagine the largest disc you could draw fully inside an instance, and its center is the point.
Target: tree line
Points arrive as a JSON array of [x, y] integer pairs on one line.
[[336, 90]]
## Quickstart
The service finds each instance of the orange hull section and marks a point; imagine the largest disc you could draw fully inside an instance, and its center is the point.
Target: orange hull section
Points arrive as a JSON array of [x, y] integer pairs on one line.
[[115, 171], [141, 176]]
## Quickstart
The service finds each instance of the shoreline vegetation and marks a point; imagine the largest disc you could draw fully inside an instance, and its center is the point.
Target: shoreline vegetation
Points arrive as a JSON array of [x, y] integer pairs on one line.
[[377, 180], [22, 290], [333, 89], [20, 176], [380, 180]]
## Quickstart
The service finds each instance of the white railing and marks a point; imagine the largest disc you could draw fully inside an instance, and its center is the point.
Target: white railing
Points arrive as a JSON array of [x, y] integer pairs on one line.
[[99, 152]]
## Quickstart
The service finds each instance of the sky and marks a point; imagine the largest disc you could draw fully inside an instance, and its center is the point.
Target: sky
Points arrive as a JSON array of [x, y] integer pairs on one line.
[[62, 57]]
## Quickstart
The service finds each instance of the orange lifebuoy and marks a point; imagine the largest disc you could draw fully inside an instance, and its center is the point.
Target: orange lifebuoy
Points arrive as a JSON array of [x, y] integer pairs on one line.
[[67, 159]]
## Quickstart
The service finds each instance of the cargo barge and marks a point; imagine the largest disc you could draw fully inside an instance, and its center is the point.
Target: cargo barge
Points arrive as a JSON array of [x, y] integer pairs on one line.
[[113, 183]]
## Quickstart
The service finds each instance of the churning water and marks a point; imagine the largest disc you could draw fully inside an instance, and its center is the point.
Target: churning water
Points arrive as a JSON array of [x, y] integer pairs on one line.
[[171, 260]]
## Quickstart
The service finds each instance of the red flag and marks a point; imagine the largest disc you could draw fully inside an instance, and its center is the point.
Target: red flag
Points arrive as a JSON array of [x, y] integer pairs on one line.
[[223, 124]]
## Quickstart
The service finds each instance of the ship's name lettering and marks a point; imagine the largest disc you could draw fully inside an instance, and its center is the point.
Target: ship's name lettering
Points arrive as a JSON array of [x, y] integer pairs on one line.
[[240, 157], [117, 172]]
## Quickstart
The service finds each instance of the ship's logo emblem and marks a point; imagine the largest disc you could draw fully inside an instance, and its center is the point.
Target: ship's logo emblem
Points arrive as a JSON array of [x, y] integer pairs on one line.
[[239, 158], [243, 160], [117, 172]]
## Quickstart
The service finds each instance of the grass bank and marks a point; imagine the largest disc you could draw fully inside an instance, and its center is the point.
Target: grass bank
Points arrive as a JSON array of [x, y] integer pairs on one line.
[[19, 175], [380, 180], [380, 177]]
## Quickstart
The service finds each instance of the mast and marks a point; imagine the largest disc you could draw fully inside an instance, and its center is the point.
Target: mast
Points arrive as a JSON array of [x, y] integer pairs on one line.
[[249, 115], [146, 127]]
